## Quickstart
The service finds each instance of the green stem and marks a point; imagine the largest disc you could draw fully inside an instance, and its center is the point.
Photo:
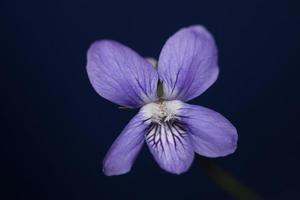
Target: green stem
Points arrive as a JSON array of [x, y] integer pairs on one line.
[[227, 182]]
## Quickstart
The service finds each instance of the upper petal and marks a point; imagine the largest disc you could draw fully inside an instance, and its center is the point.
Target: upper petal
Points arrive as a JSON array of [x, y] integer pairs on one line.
[[170, 146], [120, 75], [212, 135], [188, 63], [123, 152]]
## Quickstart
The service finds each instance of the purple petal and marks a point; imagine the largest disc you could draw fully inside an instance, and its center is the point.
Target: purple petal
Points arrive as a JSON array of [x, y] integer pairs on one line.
[[120, 75], [188, 63], [170, 146], [125, 148], [212, 135]]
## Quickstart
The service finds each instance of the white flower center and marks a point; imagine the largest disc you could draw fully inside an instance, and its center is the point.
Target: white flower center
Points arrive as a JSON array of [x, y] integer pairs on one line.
[[161, 111]]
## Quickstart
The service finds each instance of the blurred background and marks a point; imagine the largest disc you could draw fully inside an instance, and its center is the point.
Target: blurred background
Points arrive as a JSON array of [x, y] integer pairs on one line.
[[55, 129]]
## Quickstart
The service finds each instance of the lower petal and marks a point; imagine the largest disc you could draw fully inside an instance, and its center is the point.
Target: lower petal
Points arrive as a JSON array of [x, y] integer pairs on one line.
[[123, 152], [212, 135], [170, 146]]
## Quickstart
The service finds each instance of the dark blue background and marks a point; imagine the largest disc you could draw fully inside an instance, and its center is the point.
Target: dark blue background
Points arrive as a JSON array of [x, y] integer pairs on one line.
[[56, 129]]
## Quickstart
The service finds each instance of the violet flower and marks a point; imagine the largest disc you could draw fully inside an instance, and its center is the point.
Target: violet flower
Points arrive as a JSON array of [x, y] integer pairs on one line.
[[173, 130]]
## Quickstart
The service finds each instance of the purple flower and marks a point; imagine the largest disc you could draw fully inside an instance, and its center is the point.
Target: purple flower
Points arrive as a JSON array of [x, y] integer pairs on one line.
[[172, 129]]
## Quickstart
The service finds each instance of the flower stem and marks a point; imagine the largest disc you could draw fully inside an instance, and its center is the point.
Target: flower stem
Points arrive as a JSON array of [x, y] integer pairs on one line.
[[226, 181]]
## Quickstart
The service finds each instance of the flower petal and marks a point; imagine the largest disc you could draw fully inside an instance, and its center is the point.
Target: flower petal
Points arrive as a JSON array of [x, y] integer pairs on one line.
[[125, 148], [120, 75], [188, 63], [170, 146], [212, 135]]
